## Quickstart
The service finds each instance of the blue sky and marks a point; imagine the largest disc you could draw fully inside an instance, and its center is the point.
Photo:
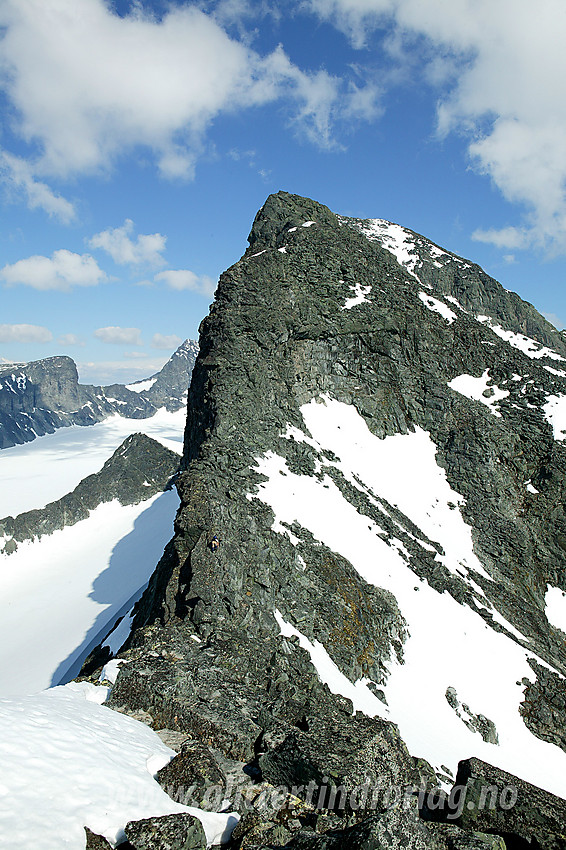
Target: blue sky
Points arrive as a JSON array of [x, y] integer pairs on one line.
[[138, 140]]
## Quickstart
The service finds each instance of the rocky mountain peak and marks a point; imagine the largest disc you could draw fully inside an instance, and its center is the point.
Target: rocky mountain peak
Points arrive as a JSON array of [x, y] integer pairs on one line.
[[375, 434]]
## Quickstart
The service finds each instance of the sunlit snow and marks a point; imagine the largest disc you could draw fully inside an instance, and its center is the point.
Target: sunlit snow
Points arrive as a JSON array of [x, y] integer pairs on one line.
[[555, 414], [60, 593], [528, 346], [555, 610], [44, 470], [449, 644], [362, 698], [141, 386], [438, 307], [70, 762], [397, 241], [359, 296], [475, 389]]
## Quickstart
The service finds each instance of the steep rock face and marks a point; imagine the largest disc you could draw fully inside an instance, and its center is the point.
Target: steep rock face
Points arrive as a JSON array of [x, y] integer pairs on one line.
[[375, 435], [36, 398]]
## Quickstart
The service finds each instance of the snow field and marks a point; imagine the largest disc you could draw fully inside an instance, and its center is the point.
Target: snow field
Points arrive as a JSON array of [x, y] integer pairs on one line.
[[397, 241], [555, 414], [437, 306], [448, 645], [59, 593], [528, 346], [474, 388], [359, 296], [555, 607], [141, 386], [69, 762], [44, 470]]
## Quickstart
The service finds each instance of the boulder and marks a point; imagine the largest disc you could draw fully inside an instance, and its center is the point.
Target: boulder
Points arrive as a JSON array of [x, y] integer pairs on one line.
[[169, 832]]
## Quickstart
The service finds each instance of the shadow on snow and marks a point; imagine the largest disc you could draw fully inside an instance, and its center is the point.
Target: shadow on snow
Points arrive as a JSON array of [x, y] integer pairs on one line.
[[121, 584]]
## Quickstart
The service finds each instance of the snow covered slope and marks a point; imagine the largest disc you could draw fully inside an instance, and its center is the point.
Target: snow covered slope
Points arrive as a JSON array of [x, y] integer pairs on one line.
[[482, 668], [79, 565], [61, 593], [43, 470], [69, 762]]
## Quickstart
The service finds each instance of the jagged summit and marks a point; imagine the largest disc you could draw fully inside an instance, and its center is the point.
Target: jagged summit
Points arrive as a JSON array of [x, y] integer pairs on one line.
[[375, 433], [429, 264], [38, 397]]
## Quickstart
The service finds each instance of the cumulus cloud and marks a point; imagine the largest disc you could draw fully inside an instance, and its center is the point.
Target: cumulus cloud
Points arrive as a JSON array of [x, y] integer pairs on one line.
[[24, 333], [185, 279], [166, 342], [62, 270], [119, 336], [502, 68], [119, 371], [18, 176], [70, 339], [554, 320], [117, 241], [90, 87]]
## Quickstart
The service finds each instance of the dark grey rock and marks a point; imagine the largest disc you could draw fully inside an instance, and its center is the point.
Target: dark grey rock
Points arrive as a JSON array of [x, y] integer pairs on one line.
[[96, 842], [194, 778], [398, 827], [343, 763], [499, 802], [475, 722], [169, 832]]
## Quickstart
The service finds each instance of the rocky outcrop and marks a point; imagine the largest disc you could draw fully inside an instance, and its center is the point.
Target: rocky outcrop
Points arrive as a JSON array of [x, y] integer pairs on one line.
[[36, 398], [496, 801], [170, 832], [250, 648], [139, 468]]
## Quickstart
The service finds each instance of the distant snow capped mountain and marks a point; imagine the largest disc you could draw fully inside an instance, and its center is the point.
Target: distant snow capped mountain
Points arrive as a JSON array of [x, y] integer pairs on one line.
[[38, 397]]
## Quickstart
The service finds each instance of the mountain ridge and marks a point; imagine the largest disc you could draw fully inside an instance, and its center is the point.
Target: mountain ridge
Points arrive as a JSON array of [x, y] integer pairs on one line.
[[378, 448], [38, 397], [138, 469]]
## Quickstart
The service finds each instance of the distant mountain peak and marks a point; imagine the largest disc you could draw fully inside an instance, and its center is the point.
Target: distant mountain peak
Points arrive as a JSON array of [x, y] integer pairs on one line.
[[38, 397]]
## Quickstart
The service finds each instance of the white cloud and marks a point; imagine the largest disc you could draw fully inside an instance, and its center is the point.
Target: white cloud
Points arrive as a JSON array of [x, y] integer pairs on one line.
[[24, 333], [119, 336], [135, 355], [504, 237], [554, 320], [18, 176], [117, 242], [62, 270], [119, 371], [88, 88], [70, 339], [185, 279], [502, 69], [166, 342]]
